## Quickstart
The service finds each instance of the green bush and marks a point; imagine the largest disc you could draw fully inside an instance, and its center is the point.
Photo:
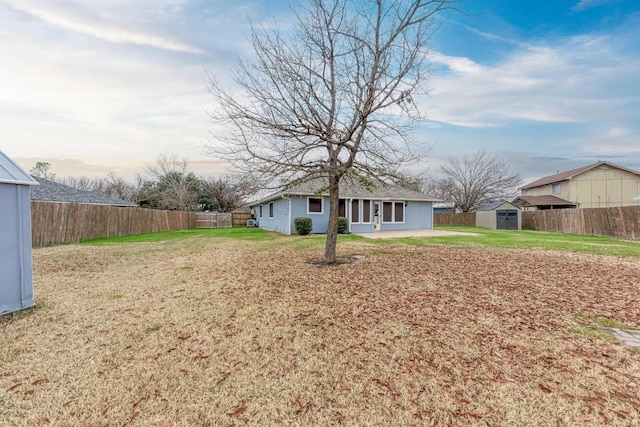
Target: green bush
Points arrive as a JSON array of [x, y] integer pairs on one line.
[[303, 225], [343, 225]]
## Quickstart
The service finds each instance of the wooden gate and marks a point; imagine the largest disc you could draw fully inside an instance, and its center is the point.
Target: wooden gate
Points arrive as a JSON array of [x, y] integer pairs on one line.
[[213, 220]]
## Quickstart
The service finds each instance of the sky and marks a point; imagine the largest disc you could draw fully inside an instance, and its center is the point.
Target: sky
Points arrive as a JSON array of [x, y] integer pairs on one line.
[[100, 86]]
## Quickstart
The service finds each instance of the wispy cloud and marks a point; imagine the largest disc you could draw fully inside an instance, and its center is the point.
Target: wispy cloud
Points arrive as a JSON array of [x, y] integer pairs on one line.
[[75, 18], [588, 4], [578, 80]]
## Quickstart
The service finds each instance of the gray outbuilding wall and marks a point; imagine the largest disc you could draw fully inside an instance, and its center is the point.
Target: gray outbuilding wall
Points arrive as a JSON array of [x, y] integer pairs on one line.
[[16, 276]]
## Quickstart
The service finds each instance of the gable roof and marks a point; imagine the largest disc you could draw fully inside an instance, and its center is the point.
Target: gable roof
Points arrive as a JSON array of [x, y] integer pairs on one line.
[[563, 176], [351, 189], [11, 173], [50, 191], [494, 205], [546, 200]]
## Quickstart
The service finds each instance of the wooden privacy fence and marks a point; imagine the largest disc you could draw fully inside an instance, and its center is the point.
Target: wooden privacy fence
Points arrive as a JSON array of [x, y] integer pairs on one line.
[[58, 223], [213, 220], [455, 219], [218, 220], [240, 218], [621, 222]]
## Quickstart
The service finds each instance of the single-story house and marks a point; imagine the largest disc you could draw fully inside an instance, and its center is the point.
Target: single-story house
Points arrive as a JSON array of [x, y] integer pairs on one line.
[[51, 191], [385, 207], [598, 185], [500, 215]]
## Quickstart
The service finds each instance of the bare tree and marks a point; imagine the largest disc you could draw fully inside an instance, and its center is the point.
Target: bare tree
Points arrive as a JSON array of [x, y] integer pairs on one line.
[[171, 185], [334, 99], [472, 181], [112, 185], [81, 182], [41, 170], [116, 186], [227, 192]]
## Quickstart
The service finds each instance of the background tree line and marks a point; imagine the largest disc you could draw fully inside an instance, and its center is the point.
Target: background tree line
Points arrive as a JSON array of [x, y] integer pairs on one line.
[[468, 182], [166, 184]]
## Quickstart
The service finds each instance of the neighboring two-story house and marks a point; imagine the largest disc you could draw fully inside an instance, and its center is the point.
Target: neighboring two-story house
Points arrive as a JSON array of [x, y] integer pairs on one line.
[[599, 185]]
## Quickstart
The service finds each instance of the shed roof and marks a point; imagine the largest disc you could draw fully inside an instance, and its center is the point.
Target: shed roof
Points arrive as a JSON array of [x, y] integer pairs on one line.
[[563, 176], [50, 191], [11, 173], [495, 205], [351, 189]]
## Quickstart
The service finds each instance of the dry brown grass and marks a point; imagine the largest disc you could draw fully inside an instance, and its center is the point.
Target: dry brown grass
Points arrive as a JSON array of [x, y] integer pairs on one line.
[[205, 332]]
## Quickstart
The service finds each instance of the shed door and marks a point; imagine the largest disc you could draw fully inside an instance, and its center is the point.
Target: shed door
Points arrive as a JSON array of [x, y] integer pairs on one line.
[[507, 219]]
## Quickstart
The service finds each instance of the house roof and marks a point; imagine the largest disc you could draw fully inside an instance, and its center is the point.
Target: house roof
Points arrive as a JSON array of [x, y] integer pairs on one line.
[[494, 205], [50, 191], [546, 200], [563, 176], [350, 189], [11, 173]]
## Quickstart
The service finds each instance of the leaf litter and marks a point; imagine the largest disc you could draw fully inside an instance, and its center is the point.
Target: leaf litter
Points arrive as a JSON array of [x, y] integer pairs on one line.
[[253, 334]]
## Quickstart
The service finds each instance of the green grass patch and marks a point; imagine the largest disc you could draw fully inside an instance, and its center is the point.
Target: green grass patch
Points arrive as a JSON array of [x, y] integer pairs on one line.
[[527, 239], [163, 236], [595, 332], [598, 327], [522, 239], [602, 322]]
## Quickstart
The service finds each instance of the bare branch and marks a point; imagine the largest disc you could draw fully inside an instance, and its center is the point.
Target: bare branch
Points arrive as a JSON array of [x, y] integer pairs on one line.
[[472, 181], [331, 98]]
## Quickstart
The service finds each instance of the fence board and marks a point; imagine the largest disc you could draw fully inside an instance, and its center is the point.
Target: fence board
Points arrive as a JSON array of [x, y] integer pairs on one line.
[[619, 222], [215, 220], [58, 223], [457, 219], [240, 218]]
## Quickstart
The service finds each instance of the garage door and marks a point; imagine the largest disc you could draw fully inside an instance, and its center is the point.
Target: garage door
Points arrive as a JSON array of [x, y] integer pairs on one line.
[[507, 219]]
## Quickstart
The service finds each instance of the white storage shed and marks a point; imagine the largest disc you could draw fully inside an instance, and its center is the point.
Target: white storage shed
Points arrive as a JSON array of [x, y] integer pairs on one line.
[[16, 279], [500, 215]]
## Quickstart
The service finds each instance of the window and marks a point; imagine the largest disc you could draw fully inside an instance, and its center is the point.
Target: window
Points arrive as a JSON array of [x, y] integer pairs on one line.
[[393, 212], [555, 188], [366, 211], [355, 211], [260, 210], [342, 208], [314, 205], [271, 210], [387, 212], [399, 212]]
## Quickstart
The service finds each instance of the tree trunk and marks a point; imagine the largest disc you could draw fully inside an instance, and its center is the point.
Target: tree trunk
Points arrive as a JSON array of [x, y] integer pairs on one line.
[[332, 229]]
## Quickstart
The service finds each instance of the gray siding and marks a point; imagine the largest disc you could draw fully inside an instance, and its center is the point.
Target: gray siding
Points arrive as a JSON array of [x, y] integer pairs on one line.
[[320, 222], [16, 289], [417, 216], [280, 220], [362, 228]]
